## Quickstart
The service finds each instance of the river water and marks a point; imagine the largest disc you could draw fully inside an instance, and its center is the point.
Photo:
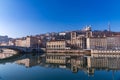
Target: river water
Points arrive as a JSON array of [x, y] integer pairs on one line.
[[59, 67]]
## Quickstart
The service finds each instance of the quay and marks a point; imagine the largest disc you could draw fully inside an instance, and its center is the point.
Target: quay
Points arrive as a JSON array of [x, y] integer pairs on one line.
[[105, 53], [86, 52]]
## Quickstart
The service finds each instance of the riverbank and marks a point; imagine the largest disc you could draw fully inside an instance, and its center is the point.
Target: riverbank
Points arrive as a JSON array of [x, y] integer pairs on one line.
[[87, 52]]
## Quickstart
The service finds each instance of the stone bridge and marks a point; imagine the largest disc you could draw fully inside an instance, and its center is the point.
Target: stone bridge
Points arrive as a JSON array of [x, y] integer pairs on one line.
[[18, 48]]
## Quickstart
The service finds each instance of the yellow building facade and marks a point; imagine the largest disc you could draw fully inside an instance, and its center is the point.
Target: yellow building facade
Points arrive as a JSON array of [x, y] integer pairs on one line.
[[27, 42], [56, 44]]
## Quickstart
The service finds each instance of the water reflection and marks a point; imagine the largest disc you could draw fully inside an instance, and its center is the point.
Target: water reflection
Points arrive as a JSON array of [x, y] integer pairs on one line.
[[29, 61], [76, 64], [5, 53], [2, 56]]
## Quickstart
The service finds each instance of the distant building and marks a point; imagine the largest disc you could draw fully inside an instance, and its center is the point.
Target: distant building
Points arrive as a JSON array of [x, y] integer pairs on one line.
[[56, 44], [112, 42], [62, 33], [78, 41], [11, 43], [27, 42], [4, 39], [96, 43], [87, 28], [4, 44]]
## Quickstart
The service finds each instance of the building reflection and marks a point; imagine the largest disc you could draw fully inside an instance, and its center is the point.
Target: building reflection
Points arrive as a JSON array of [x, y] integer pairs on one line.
[[56, 59], [2, 56], [29, 60], [74, 63], [102, 63], [6, 53]]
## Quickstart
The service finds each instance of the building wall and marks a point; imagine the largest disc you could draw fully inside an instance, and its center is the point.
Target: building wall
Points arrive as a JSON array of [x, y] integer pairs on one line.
[[96, 43], [11, 43], [104, 43], [3, 44], [78, 42], [31, 42], [27, 42], [56, 45], [18, 42], [113, 42]]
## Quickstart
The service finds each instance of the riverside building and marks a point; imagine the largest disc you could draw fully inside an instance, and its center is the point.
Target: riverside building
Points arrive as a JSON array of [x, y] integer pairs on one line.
[[78, 41], [56, 45], [28, 41]]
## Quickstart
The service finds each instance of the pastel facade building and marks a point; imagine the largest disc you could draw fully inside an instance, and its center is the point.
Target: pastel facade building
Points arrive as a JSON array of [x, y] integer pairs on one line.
[[112, 42], [56, 44], [4, 44], [78, 41], [11, 43], [27, 42], [96, 43]]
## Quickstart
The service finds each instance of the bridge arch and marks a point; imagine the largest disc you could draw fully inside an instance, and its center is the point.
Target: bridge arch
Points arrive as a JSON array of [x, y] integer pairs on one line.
[[17, 48]]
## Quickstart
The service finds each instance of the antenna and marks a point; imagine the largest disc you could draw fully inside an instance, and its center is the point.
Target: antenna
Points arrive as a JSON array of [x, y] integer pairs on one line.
[[109, 27]]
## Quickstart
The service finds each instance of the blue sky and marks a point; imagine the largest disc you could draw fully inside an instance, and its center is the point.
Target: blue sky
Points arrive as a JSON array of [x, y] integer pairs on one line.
[[30, 17]]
